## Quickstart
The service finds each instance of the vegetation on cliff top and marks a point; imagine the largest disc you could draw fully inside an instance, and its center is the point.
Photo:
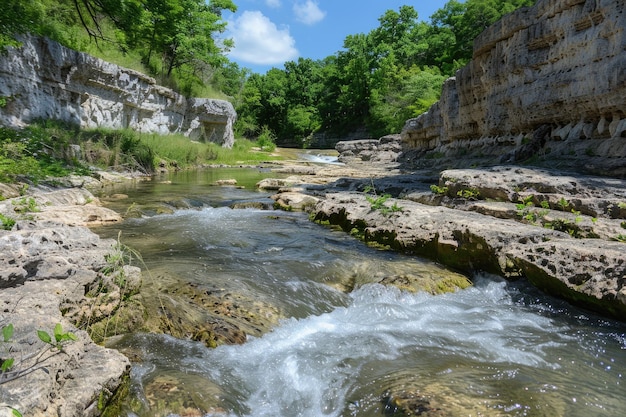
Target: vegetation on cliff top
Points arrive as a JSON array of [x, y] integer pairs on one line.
[[173, 40], [376, 81]]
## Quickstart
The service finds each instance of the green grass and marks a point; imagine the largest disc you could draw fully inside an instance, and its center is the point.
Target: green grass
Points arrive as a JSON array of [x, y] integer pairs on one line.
[[186, 153], [36, 152], [44, 150]]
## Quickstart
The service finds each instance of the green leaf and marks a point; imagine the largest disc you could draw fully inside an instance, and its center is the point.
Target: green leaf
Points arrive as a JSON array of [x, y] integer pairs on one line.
[[7, 364], [44, 336], [58, 332], [16, 413], [67, 336], [7, 332]]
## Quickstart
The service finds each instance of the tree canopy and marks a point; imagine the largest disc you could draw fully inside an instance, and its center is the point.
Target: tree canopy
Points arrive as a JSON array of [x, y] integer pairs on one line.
[[167, 35], [377, 80]]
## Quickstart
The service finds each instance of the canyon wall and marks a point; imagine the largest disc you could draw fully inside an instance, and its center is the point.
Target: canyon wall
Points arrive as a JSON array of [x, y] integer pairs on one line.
[[547, 81], [44, 80]]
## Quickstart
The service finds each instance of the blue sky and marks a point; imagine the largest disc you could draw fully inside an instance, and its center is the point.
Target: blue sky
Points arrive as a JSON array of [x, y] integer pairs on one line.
[[268, 33]]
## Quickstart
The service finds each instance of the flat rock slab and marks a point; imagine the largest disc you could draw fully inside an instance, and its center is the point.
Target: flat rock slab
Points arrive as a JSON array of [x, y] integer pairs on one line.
[[49, 263], [72, 382], [587, 272]]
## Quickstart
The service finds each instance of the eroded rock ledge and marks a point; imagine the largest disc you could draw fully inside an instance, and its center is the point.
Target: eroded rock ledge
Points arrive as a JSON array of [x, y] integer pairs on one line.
[[56, 271], [44, 80], [563, 233], [546, 82]]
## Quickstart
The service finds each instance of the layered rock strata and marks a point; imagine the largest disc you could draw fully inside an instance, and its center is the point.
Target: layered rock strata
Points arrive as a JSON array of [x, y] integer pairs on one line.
[[57, 272], [564, 233], [547, 81], [560, 250], [44, 80]]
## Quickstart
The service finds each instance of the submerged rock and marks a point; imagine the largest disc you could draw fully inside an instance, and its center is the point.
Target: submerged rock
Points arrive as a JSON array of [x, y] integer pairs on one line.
[[209, 315]]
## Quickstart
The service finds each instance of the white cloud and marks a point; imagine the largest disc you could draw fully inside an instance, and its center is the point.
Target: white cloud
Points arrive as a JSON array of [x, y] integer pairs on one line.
[[308, 12], [273, 3], [259, 41]]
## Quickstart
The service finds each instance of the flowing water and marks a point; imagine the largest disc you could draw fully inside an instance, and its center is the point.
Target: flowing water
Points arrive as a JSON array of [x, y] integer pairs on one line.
[[494, 349]]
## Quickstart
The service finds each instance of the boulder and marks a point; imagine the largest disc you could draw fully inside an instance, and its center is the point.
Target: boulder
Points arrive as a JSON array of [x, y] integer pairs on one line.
[[384, 150], [293, 200]]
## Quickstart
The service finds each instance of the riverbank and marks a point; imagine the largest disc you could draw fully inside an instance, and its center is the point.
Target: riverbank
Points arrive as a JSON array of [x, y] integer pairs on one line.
[[563, 232], [59, 279]]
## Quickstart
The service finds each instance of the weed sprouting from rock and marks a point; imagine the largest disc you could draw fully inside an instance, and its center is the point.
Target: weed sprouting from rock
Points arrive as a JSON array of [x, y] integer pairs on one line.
[[377, 202]]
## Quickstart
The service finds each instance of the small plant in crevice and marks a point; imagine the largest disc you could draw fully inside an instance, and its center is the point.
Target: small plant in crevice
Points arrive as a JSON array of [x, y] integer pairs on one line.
[[60, 337], [563, 204], [111, 309], [26, 205], [469, 193], [527, 211], [436, 189], [6, 223], [377, 202]]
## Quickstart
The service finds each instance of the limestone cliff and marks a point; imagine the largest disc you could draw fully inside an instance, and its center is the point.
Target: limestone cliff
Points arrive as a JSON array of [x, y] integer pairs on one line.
[[547, 81], [43, 79]]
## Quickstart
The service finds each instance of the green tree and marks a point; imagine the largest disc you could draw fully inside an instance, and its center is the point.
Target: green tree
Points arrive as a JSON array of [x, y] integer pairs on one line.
[[18, 17], [377, 80], [303, 89], [455, 26], [409, 93], [403, 34], [301, 123], [264, 103], [179, 32], [355, 65], [250, 107]]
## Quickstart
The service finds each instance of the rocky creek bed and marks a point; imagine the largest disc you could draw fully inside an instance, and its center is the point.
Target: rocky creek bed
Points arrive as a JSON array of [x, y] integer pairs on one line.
[[564, 233]]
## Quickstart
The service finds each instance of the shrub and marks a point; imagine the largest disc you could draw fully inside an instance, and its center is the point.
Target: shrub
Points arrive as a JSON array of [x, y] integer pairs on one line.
[[267, 140]]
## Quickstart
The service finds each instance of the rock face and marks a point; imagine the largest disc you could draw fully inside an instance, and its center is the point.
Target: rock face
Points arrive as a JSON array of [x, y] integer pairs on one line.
[[564, 233], [546, 81], [57, 272], [44, 80]]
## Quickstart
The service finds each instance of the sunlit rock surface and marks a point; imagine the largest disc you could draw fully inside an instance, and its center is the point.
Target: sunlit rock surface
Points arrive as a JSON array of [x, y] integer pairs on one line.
[[547, 81], [44, 80], [55, 271]]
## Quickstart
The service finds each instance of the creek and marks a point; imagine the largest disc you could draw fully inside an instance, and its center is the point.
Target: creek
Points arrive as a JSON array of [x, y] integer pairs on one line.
[[494, 349]]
